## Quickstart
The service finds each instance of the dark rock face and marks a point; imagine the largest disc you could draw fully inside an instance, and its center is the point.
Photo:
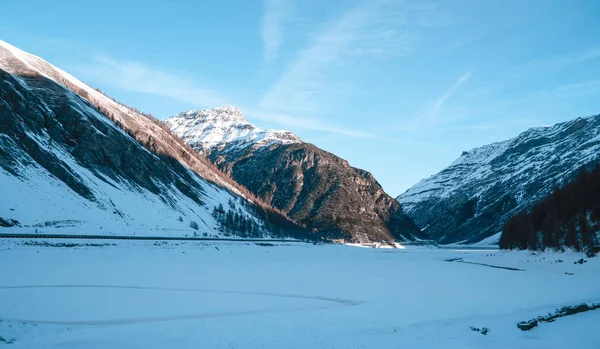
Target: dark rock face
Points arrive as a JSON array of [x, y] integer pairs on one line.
[[320, 191], [472, 198], [313, 187]]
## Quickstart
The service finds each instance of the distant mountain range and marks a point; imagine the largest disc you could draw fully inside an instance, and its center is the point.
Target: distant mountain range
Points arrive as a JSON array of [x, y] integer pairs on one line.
[[472, 198], [313, 187]]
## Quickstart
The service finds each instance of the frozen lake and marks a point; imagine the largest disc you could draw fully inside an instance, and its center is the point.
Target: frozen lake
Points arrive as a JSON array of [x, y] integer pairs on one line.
[[138, 294]]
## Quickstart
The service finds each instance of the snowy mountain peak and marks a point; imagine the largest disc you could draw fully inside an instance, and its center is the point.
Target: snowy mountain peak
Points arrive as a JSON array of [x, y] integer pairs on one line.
[[15, 61], [18, 62], [217, 127], [7, 49], [220, 114]]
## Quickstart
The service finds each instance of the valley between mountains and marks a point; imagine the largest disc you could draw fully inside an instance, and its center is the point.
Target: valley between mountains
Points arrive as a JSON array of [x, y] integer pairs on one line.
[[120, 230], [75, 160]]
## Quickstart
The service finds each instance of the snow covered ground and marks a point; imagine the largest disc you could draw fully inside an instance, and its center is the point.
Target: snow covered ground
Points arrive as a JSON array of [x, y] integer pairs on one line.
[[138, 294]]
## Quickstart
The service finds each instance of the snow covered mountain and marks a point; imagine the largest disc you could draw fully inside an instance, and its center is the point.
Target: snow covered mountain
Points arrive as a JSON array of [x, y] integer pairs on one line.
[[472, 198], [73, 160], [313, 187], [224, 128]]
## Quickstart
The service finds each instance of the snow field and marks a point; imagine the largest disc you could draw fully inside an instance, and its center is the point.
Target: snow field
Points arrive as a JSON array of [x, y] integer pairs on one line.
[[293, 295]]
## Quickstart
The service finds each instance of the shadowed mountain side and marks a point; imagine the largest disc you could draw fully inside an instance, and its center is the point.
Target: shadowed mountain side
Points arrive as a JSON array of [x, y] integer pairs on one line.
[[46, 127], [321, 191]]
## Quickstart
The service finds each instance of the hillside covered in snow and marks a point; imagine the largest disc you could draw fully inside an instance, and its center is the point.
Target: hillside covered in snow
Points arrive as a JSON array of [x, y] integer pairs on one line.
[[472, 198]]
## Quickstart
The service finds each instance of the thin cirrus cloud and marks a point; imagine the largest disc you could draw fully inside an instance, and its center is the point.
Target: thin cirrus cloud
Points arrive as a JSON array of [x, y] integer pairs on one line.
[[371, 29], [320, 125], [549, 65], [431, 118], [569, 90], [322, 71], [303, 92], [275, 14], [450, 91], [313, 124], [302, 82], [580, 86], [137, 77]]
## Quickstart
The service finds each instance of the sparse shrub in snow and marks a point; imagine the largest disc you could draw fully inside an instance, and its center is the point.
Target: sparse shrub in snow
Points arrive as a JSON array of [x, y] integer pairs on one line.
[[194, 225], [484, 330]]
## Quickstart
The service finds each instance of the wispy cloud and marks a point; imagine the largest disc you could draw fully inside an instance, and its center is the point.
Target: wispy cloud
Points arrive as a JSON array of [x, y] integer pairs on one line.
[[524, 108], [137, 77], [469, 127], [449, 92], [323, 69], [570, 91], [316, 124], [320, 125], [275, 13], [431, 117], [313, 124], [577, 87], [548, 65]]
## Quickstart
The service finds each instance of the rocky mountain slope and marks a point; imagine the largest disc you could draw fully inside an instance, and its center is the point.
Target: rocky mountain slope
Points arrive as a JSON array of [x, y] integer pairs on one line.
[[313, 187], [74, 160], [472, 198]]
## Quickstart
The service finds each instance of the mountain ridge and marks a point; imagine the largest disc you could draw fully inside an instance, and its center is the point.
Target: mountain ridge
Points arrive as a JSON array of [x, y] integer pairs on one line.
[[472, 198], [18, 62], [224, 127]]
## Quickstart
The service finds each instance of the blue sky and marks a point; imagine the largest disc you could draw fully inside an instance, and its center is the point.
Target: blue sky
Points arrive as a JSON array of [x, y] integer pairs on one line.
[[399, 88]]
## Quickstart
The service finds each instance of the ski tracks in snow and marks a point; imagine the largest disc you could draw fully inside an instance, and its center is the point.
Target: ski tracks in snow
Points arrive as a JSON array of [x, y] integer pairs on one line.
[[329, 303]]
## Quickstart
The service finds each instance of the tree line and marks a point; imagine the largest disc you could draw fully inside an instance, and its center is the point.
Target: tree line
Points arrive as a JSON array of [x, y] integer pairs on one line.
[[236, 221], [567, 218]]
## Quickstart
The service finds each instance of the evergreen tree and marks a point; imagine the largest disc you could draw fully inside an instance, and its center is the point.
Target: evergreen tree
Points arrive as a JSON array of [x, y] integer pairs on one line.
[[568, 217]]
